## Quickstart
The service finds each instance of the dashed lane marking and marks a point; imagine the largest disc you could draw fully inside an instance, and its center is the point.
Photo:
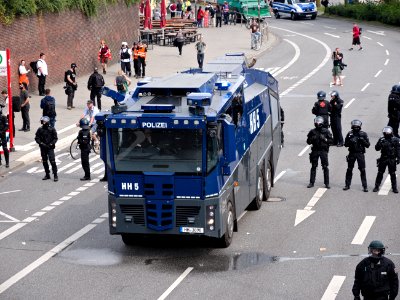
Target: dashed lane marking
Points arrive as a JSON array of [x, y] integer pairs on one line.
[[302, 214], [350, 102], [10, 219], [365, 87], [387, 52], [333, 288], [386, 62], [332, 35], [304, 150], [175, 284], [363, 230], [279, 176], [380, 44], [377, 73], [385, 188], [292, 61], [9, 192]]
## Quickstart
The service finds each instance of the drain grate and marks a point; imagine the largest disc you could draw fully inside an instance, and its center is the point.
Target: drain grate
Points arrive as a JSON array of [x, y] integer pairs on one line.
[[276, 199]]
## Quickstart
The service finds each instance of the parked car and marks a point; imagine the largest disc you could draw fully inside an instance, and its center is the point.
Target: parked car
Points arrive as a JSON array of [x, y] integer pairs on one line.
[[295, 8]]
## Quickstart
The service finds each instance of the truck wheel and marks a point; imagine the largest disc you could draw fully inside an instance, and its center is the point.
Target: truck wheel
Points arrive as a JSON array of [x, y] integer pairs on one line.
[[292, 16], [226, 239], [268, 181], [277, 15], [128, 239], [257, 202]]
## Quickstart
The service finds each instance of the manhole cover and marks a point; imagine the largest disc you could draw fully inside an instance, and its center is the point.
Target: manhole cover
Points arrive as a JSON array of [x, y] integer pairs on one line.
[[275, 199]]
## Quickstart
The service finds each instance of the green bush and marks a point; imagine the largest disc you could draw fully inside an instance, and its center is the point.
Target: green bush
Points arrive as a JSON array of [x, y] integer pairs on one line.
[[387, 12], [9, 9]]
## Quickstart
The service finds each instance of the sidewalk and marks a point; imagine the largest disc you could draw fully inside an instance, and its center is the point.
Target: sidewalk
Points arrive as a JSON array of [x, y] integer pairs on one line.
[[161, 61]]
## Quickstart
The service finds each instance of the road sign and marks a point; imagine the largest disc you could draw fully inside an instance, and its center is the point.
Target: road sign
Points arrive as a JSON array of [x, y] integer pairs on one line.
[[3, 63]]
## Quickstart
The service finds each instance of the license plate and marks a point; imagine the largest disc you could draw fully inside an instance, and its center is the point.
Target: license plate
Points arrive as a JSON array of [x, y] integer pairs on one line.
[[192, 230]]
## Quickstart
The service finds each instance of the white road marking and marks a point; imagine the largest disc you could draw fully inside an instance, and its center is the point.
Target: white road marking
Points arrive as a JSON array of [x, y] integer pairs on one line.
[[350, 102], [11, 230], [99, 171], [9, 192], [380, 44], [105, 215], [332, 35], [67, 166], [377, 32], [39, 214], [56, 203], [175, 284], [333, 288], [272, 70], [10, 219], [292, 61], [279, 176], [368, 38], [65, 198], [365, 87], [304, 150], [363, 230], [334, 28], [82, 188], [73, 194], [93, 168], [377, 73], [89, 184], [323, 62], [386, 62], [45, 257], [67, 128], [29, 219], [385, 188], [48, 208], [302, 214], [387, 52], [79, 166]]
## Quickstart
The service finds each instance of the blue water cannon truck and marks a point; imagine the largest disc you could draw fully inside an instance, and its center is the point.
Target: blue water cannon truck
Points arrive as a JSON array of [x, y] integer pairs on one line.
[[188, 153]]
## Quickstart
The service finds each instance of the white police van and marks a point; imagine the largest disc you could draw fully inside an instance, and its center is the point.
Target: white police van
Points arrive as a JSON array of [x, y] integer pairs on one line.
[[295, 8]]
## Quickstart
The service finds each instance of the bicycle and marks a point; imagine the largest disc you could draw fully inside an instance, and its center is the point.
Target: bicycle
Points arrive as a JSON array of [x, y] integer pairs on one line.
[[75, 151]]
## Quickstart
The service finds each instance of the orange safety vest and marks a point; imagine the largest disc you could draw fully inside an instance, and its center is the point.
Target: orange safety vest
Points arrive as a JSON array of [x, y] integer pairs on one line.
[[135, 53], [142, 52]]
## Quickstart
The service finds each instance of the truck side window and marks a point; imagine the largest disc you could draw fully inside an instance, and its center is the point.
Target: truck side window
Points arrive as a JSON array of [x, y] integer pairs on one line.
[[212, 148]]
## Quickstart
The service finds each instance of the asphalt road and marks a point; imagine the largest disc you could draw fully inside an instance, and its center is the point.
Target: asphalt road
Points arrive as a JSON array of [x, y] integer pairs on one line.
[[54, 241]]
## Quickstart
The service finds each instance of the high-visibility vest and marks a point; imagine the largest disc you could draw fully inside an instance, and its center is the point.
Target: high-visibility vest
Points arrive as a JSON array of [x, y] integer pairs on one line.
[[135, 53], [142, 52]]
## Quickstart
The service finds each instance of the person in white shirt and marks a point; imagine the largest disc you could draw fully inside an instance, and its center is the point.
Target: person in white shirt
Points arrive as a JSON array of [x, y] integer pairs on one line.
[[23, 73], [89, 113], [42, 73], [126, 58]]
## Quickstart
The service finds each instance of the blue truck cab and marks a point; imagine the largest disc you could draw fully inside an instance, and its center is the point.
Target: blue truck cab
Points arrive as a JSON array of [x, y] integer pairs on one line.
[[188, 153], [295, 9]]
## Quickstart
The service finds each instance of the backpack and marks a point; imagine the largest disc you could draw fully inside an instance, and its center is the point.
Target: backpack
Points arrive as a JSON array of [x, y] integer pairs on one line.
[[84, 139], [99, 80], [49, 109], [65, 76], [16, 103], [360, 30], [33, 65]]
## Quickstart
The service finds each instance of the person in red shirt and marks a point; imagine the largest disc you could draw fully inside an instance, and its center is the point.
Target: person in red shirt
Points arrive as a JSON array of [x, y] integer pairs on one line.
[[356, 37], [200, 16], [104, 55]]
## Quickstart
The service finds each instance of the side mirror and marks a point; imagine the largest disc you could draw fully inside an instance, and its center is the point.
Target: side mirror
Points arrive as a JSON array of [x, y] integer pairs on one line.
[[229, 145]]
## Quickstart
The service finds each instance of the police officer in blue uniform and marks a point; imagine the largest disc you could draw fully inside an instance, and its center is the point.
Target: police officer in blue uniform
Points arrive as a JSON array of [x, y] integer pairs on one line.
[[389, 146], [320, 138], [322, 108], [336, 118], [356, 140], [394, 109], [376, 276]]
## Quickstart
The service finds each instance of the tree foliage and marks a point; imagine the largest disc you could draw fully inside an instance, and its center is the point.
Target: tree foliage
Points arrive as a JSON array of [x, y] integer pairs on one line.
[[387, 12], [10, 9]]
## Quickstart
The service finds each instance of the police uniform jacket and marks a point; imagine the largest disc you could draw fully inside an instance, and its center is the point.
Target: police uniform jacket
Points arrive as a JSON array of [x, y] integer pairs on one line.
[[84, 139], [336, 106], [376, 276], [389, 147], [320, 139], [3, 125], [46, 136], [357, 141], [394, 106]]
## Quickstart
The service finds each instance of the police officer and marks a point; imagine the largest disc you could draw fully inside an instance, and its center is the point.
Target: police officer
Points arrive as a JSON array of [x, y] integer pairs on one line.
[[322, 108], [356, 140], [394, 109], [84, 145], [336, 118], [3, 138], [375, 275], [320, 138], [46, 137], [390, 156]]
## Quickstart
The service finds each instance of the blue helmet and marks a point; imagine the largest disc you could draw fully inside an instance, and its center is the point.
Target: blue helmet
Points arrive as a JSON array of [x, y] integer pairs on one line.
[[321, 95], [396, 89], [84, 123]]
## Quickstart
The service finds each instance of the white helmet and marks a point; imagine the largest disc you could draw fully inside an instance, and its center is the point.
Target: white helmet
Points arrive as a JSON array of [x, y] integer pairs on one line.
[[124, 44]]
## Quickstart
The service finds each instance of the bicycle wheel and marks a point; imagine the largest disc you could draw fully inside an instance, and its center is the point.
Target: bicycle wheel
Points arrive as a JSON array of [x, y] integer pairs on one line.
[[74, 149], [95, 147]]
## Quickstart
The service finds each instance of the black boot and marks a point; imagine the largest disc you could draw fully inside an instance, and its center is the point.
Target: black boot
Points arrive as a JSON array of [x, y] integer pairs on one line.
[[55, 177], [47, 176], [393, 179], [326, 177]]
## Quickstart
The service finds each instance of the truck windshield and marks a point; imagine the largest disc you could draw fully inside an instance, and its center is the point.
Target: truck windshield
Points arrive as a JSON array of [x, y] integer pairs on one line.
[[302, 1], [157, 150]]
